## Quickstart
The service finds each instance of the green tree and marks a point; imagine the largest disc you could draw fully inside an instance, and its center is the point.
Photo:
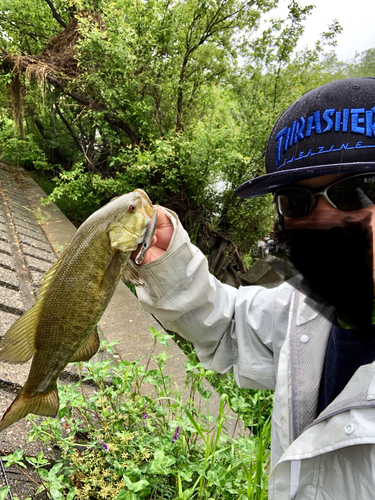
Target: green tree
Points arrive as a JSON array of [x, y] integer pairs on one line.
[[362, 64], [174, 96]]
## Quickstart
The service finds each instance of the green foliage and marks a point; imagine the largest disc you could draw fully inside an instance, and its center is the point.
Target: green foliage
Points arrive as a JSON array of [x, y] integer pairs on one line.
[[119, 443], [363, 64], [253, 407], [177, 98], [27, 26], [15, 458], [4, 492], [20, 151]]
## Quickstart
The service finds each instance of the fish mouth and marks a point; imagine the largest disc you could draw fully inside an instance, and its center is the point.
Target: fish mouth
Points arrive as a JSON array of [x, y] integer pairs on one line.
[[148, 237], [147, 208], [151, 214]]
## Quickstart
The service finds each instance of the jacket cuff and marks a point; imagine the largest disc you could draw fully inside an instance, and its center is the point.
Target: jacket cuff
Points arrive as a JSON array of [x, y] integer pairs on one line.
[[163, 273]]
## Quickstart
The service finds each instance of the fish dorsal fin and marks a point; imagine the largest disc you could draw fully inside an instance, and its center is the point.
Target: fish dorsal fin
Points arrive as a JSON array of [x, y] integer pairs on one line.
[[131, 275], [88, 349], [48, 275], [18, 345]]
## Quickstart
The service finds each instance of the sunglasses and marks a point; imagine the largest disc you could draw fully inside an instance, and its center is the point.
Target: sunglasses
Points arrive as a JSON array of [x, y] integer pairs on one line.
[[348, 194]]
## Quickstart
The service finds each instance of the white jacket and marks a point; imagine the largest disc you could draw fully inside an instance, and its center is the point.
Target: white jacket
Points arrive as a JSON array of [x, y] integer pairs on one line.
[[274, 339]]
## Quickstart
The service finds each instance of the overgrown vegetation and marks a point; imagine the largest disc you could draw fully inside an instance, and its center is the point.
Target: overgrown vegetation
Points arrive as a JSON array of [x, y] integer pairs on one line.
[[177, 97], [119, 443]]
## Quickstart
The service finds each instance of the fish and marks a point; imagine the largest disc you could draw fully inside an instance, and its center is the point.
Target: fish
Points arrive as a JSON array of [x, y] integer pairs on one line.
[[61, 326]]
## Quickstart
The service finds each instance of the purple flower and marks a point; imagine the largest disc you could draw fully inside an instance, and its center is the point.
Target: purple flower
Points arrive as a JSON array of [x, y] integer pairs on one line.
[[176, 435], [103, 445], [145, 417]]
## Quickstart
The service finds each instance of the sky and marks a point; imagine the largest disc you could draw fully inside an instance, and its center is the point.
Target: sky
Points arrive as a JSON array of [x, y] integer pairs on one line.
[[356, 19]]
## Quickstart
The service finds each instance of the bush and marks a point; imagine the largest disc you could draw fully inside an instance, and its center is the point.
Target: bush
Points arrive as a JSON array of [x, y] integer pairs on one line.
[[21, 151]]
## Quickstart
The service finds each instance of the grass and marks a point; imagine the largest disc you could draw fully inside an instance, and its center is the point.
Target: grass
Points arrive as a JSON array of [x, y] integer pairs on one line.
[[119, 443]]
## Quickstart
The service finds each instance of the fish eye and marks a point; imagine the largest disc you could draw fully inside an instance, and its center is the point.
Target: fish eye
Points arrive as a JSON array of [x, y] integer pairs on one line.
[[131, 208]]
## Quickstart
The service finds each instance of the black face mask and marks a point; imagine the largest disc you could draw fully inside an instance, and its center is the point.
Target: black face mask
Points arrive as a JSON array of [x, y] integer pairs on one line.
[[337, 267]]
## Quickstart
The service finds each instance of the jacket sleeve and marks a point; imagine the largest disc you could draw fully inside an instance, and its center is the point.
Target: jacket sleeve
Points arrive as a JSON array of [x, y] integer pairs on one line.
[[231, 329]]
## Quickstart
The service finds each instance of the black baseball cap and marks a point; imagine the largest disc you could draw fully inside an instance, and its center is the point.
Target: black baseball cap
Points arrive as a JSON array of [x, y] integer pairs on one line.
[[329, 130]]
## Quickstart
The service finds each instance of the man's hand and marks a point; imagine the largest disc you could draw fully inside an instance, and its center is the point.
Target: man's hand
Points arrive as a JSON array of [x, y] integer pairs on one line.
[[160, 241]]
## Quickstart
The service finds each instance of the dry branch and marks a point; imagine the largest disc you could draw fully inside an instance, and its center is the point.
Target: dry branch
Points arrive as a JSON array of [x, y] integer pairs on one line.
[[58, 65]]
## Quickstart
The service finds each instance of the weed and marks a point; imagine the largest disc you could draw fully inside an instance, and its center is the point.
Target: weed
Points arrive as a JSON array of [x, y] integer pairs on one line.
[[57, 247], [41, 216], [4, 492], [121, 444]]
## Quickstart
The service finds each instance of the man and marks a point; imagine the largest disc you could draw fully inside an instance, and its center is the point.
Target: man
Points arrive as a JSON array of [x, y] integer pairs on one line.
[[311, 339]]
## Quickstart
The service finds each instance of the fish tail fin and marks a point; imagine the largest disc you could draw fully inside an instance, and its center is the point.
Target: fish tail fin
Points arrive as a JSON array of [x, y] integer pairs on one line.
[[46, 404]]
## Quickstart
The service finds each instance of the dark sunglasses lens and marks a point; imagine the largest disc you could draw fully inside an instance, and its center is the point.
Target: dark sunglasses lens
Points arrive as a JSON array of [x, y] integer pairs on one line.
[[294, 202], [353, 193]]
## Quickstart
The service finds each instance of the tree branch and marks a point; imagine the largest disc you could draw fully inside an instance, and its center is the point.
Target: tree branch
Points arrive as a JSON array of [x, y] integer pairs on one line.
[[114, 122], [40, 127], [22, 28], [70, 130], [56, 15]]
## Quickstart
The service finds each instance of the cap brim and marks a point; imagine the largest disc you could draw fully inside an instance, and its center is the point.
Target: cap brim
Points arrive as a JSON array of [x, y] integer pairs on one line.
[[270, 182]]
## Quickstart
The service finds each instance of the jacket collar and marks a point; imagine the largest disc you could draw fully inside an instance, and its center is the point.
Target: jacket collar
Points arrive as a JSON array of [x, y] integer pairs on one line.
[[308, 309]]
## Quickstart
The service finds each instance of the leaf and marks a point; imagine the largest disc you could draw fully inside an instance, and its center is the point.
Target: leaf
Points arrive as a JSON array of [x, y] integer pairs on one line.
[[14, 458], [186, 475], [126, 495], [43, 473], [206, 394], [188, 493], [4, 492], [161, 463], [140, 485], [56, 493], [18, 454], [63, 412], [195, 425], [55, 469]]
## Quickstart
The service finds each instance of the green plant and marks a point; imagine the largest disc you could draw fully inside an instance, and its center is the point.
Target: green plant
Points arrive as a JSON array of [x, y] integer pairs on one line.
[[119, 443], [41, 216], [253, 406], [57, 247], [4, 492], [177, 98], [18, 150]]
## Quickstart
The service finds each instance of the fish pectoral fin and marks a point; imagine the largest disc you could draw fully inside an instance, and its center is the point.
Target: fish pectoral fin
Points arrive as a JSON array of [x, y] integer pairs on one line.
[[18, 345], [46, 404], [131, 275], [88, 349]]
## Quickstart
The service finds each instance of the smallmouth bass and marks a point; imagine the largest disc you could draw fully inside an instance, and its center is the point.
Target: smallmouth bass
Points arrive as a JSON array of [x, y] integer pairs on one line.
[[60, 327]]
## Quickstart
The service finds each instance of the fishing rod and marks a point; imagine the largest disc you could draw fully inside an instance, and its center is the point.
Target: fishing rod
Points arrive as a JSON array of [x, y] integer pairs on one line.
[[5, 478]]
